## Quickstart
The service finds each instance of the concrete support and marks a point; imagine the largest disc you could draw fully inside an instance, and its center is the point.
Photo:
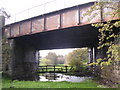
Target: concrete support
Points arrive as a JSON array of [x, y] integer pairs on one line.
[[91, 55], [93, 51], [2, 22], [23, 64], [92, 59], [94, 54]]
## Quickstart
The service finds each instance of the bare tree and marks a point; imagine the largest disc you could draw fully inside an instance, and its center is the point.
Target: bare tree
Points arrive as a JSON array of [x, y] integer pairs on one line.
[[4, 13]]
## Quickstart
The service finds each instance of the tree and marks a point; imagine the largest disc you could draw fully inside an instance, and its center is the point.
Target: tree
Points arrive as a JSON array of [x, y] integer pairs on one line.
[[44, 61], [60, 59], [77, 58], [4, 13], [52, 57]]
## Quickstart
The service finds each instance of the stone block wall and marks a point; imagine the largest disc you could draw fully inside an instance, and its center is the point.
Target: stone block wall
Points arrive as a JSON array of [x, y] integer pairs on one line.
[[2, 22], [18, 60], [23, 63]]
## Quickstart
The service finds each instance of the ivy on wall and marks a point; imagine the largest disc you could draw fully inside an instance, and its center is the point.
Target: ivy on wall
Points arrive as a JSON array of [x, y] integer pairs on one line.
[[109, 31]]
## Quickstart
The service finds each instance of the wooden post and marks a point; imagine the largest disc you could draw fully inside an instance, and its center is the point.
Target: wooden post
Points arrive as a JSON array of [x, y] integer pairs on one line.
[[66, 68], [54, 68], [54, 72], [42, 68], [46, 68], [61, 70]]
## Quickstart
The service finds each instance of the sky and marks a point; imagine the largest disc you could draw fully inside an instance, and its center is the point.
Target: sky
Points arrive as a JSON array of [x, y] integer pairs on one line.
[[20, 9], [63, 52], [14, 6]]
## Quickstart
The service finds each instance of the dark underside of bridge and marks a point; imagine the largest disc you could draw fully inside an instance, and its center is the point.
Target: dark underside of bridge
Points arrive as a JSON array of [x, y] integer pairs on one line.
[[75, 37]]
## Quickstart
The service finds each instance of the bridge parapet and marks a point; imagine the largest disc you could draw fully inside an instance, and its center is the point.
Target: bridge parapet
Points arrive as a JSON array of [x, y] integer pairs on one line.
[[65, 18]]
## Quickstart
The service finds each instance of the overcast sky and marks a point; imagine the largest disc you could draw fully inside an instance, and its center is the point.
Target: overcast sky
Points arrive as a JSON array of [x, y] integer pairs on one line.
[[15, 6], [64, 52], [20, 9]]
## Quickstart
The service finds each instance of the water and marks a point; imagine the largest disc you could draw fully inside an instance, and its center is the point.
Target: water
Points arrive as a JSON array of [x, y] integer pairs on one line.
[[61, 77]]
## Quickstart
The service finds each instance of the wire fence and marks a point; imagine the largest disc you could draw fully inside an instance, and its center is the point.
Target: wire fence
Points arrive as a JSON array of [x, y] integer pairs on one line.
[[47, 7]]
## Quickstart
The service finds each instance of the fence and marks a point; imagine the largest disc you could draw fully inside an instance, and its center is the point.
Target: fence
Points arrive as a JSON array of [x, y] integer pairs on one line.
[[54, 69]]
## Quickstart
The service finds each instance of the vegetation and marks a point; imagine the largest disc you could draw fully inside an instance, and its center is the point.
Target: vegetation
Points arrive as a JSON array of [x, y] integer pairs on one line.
[[52, 59], [77, 58], [109, 35], [61, 59], [44, 61], [37, 84]]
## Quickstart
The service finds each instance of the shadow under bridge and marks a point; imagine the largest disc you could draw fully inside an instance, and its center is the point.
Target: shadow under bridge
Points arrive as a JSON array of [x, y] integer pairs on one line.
[[75, 37]]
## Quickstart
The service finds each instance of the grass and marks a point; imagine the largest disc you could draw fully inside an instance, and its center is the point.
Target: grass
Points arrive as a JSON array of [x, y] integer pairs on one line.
[[0, 80], [6, 83]]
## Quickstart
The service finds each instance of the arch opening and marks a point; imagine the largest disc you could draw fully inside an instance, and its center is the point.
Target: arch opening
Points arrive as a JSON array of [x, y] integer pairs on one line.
[[25, 48]]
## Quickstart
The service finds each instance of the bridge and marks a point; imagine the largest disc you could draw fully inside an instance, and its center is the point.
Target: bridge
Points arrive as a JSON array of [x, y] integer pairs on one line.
[[66, 28], [54, 69]]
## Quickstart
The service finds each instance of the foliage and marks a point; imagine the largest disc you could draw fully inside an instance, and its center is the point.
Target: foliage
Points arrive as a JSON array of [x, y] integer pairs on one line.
[[44, 61], [60, 59], [77, 58], [108, 31], [52, 57]]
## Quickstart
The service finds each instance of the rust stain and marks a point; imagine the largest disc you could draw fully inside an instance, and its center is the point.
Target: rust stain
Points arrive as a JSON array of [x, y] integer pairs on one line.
[[15, 30], [52, 22], [70, 18], [37, 25], [7, 32], [25, 28]]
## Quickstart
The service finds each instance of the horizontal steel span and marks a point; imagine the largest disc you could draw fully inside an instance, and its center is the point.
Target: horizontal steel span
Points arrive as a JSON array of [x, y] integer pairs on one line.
[[58, 20], [75, 37]]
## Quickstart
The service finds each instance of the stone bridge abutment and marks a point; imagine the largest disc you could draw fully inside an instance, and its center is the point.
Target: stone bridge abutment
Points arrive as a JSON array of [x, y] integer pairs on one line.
[[24, 63]]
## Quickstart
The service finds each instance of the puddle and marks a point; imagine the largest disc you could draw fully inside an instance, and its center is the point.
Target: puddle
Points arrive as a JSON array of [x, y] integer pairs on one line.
[[61, 77]]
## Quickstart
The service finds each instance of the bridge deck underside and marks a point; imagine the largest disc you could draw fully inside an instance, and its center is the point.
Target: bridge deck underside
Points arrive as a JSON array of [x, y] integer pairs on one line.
[[75, 37]]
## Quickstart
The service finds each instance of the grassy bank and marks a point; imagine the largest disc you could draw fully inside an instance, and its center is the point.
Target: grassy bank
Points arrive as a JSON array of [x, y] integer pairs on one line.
[[6, 83]]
